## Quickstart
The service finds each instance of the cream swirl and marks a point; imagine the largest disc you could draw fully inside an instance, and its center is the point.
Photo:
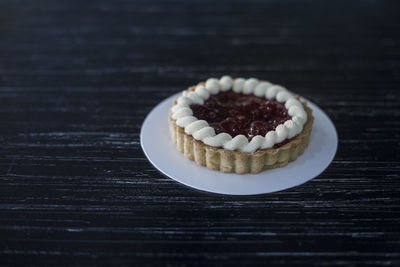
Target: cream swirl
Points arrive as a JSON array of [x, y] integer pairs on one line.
[[201, 130]]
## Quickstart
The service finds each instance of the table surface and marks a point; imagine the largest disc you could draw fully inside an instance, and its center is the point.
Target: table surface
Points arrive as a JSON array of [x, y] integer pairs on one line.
[[77, 79]]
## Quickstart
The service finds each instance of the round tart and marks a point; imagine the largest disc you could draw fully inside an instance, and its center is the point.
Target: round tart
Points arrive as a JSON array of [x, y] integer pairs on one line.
[[238, 125]]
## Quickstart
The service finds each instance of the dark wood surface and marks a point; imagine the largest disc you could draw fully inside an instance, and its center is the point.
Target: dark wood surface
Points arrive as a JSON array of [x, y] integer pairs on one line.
[[77, 79]]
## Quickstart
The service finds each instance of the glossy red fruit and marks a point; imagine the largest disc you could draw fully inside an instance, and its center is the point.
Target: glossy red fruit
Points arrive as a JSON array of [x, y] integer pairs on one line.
[[258, 128], [240, 118], [232, 112], [249, 105], [268, 110], [276, 121], [212, 116], [200, 111], [281, 111], [231, 126], [236, 113]]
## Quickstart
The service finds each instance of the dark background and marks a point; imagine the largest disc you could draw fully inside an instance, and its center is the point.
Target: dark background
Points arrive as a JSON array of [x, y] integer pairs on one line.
[[77, 79]]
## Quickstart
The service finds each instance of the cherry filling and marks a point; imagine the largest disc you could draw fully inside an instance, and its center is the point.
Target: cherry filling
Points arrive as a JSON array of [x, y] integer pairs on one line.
[[237, 113]]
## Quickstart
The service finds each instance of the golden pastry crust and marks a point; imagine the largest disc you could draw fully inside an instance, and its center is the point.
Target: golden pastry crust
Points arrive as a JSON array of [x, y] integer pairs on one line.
[[216, 158]]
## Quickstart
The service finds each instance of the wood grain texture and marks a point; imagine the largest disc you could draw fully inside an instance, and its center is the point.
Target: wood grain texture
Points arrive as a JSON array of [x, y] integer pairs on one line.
[[77, 79]]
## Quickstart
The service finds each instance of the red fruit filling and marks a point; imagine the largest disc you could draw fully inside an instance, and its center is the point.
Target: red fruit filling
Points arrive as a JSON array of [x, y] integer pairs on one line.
[[237, 113]]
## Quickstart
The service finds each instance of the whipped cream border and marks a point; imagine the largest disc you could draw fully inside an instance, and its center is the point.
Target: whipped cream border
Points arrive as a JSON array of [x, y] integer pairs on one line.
[[201, 130]]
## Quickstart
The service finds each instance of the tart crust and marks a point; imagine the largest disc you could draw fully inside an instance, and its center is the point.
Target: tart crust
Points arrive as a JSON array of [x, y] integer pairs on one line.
[[216, 158]]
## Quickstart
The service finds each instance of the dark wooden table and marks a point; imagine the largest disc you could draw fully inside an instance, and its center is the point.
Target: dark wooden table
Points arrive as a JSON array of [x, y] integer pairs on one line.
[[77, 79]]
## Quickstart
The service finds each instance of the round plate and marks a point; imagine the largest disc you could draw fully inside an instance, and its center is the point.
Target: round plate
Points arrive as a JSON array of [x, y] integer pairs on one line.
[[162, 153]]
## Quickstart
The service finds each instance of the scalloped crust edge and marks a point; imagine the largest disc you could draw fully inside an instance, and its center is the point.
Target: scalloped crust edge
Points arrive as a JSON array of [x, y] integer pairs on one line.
[[216, 158]]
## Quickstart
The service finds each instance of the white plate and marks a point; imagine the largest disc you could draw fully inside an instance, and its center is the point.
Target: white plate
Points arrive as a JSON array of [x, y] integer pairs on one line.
[[162, 153]]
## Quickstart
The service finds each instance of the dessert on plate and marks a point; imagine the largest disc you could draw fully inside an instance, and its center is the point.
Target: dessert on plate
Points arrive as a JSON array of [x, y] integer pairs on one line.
[[240, 125]]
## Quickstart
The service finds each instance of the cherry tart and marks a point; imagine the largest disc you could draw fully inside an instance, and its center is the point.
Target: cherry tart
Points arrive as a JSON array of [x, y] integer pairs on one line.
[[239, 125]]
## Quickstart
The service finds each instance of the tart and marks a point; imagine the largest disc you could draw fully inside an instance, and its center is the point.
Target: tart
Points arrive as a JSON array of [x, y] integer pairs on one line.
[[240, 125]]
